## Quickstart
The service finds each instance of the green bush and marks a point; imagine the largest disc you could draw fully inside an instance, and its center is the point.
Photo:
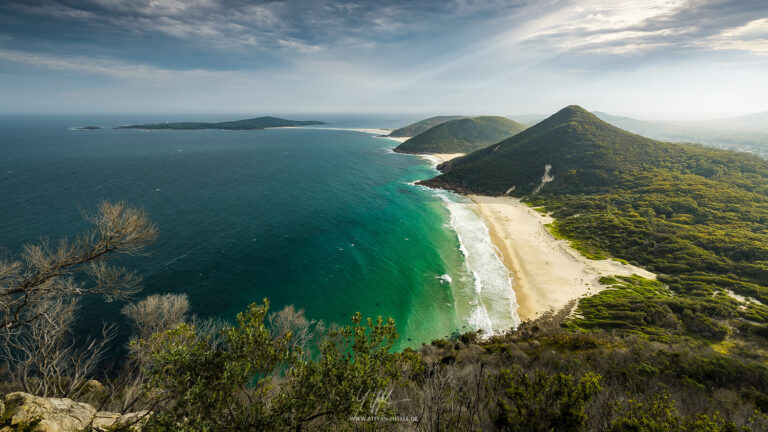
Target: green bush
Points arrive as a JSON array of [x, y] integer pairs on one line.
[[539, 402]]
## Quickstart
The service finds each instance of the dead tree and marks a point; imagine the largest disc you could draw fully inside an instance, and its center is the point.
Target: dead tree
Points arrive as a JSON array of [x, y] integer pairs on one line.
[[39, 293], [44, 272]]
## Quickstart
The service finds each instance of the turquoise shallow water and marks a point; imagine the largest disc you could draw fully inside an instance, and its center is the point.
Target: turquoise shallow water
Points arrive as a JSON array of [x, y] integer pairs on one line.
[[322, 219]]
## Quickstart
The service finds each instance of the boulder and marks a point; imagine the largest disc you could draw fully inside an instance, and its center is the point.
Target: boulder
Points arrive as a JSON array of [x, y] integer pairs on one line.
[[56, 414]]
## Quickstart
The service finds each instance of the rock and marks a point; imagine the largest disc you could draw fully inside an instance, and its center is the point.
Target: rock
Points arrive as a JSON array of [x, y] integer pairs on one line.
[[94, 386], [104, 418], [56, 414]]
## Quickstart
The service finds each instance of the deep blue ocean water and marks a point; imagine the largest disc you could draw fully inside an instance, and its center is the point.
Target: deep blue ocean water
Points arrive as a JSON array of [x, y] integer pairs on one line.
[[327, 220], [322, 219]]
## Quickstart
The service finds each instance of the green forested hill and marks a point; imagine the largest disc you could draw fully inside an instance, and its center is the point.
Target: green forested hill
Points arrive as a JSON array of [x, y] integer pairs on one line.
[[697, 216], [421, 126], [587, 154], [248, 124], [462, 135]]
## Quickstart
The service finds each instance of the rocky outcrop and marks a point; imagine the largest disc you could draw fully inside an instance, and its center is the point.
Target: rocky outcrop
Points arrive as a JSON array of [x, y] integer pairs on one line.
[[58, 415]]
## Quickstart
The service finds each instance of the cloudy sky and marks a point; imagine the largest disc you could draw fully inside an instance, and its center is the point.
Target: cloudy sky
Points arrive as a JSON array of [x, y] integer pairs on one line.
[[652, 59]]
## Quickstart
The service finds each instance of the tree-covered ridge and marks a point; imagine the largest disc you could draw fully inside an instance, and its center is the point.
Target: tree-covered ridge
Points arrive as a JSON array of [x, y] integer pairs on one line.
[[696, 216], [462, 135], [421, 126], [586, 154], [247, 124]]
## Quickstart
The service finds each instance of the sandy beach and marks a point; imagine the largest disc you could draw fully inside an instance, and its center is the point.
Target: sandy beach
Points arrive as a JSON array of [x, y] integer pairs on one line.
[[380, 133], [547, 272], [371, 131]]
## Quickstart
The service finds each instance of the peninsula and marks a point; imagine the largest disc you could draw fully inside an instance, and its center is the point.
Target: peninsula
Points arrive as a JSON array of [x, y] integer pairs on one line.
[[247, 124]]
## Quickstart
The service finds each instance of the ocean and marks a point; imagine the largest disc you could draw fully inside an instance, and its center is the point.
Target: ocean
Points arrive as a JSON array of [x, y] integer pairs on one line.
[[325, 219]]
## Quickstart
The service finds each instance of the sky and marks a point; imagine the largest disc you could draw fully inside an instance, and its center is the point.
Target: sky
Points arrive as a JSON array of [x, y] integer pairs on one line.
[[651, 59]]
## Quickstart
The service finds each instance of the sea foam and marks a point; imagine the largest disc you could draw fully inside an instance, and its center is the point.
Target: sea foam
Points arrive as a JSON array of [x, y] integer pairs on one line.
[[495, 308]]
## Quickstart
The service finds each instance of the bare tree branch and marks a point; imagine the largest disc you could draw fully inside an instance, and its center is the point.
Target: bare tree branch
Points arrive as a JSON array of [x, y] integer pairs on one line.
[[43, 272]]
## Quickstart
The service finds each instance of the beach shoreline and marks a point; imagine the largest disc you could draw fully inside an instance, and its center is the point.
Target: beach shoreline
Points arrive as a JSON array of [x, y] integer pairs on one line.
[[547, 272], [378, 133]]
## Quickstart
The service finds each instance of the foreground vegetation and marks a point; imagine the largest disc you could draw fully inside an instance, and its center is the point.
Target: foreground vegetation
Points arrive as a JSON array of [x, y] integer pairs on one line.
[[540, 377], [280, 371], [630, 359]]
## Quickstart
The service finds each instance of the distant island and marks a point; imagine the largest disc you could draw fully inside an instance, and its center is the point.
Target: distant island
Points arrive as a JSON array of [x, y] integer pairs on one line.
[[247, 124], [87, 128]]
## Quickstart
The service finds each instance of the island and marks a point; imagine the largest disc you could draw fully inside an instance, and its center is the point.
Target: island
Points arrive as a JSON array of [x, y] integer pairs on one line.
[[247, 124], [87, 128]]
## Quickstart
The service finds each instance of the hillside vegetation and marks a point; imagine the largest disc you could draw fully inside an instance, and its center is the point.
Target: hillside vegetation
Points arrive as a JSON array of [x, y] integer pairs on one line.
[[462, 135], [421, 126], [694, 215], [247, 124]]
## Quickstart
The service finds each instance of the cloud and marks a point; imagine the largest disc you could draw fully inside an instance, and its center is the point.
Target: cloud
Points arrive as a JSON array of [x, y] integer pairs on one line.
[[54, 10], [216, 24], [303, 26], [649, 26], [100, 66], [309, 27], [444, 54], [308, 72], [751, 37]]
